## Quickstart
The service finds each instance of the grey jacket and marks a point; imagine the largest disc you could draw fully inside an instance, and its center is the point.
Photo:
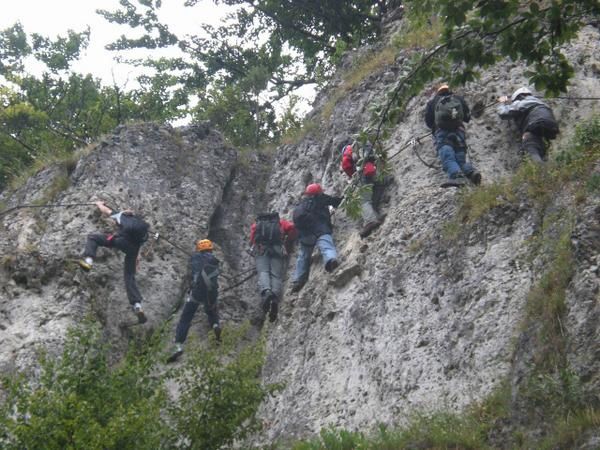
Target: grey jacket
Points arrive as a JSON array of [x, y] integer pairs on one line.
[[527, 112]]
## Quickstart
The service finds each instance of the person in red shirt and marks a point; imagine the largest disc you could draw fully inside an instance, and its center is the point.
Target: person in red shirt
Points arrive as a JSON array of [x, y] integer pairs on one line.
[[367, 173], [271, 239]]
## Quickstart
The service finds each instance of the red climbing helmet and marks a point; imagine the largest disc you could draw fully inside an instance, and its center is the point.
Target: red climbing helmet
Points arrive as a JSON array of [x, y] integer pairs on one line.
[[313, 189]]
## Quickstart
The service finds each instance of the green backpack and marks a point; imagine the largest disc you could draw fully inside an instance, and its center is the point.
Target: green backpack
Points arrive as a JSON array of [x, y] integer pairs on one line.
[[449, 113]]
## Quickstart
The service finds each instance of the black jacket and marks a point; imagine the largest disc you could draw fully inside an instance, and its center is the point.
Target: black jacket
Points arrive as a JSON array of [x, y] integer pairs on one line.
[[205, 272], [430, 109], [320, 219]]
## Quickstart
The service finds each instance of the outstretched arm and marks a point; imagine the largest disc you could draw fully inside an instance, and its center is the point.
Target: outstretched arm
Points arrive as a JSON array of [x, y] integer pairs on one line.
[[105, 210]]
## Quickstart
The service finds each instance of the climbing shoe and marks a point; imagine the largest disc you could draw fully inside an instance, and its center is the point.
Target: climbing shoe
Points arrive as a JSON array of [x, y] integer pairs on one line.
[[267, 295], [274, 310], [297, 285], [176, 352], [217, 329], [475, 178], [85, 264], [368, 228], [331, 265], [139, 312]]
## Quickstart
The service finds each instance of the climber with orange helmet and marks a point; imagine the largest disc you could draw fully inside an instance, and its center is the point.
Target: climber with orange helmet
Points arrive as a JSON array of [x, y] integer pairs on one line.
[[313, 222], [446, 114], [204, 290]]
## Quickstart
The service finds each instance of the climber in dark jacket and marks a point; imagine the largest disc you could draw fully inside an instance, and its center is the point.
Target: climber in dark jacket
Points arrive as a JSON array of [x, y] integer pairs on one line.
[[534, 118], [313, 222], [205, 289], [447, 126], [129, 238]]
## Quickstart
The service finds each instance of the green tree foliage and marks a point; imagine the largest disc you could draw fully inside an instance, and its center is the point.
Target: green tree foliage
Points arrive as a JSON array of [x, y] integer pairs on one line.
[[270, 49], [476, 35], [53, 113], [218, 401], [80, 400]]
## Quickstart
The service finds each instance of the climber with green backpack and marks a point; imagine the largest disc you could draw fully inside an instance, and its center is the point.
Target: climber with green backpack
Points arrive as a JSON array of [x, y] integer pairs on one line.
[[445, 115], [131, 235], [271, 239]]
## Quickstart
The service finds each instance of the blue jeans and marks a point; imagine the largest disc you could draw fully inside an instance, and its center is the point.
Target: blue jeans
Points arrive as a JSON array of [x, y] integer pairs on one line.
[[452, 150], [327, 249]]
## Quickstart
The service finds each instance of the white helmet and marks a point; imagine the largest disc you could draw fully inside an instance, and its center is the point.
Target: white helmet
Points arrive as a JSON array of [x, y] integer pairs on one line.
[[520, 91]]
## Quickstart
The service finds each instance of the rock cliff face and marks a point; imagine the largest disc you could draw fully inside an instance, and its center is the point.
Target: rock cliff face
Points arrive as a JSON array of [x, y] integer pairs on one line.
[[410, 321], [186, 182]]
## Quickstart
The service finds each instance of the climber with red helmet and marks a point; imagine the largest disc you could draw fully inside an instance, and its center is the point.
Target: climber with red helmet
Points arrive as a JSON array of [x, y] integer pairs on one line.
[[367, 173], [313, 222], [204, 290]]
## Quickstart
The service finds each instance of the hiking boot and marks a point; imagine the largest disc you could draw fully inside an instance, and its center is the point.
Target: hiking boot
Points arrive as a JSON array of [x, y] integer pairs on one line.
[[217, 329], [274, 310], [297, 285], [267, 295], [86, 263], [176, 352], [475, 178], [368, 228], [139, 312], [331, 265]]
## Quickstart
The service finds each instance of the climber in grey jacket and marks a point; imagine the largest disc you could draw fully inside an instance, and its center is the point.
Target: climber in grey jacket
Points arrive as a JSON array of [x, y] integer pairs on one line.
[[534, 118]]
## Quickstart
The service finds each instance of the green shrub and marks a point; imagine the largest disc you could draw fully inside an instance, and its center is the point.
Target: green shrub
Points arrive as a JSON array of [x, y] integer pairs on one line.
[[219, 393], [79, 400]]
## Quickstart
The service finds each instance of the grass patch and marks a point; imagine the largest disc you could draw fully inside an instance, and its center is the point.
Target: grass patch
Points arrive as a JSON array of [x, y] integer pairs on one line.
[[538, 185], [60, 184], [295, 135], [67, 160], [439, 430], [420, 33], [362, 68]]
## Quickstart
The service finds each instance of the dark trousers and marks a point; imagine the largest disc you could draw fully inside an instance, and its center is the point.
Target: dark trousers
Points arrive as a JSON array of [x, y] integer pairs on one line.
[[533, 145], [197, 297], [131, 251]]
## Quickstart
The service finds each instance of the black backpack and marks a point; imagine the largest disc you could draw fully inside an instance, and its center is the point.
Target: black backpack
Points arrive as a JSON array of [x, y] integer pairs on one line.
[[449, 113], [304, 216], [267, 229], [205, 271], [134, 228]]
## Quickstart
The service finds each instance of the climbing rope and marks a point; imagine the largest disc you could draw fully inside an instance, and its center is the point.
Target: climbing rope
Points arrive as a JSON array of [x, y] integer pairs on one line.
[[53, 205], [228, 288]]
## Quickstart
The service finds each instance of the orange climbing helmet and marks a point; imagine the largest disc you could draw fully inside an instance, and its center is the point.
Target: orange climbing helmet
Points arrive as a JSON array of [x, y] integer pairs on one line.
[[313, 189], [204, 245]]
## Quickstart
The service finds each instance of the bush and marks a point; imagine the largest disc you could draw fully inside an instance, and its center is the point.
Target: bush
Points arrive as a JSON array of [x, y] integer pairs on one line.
[[80, 401]]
